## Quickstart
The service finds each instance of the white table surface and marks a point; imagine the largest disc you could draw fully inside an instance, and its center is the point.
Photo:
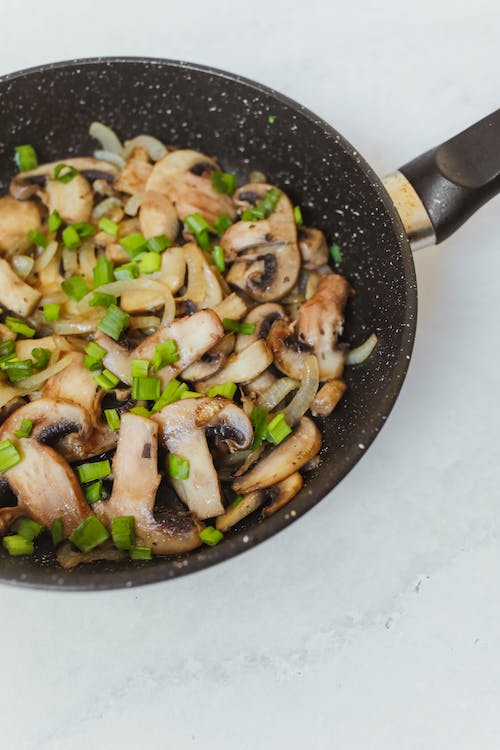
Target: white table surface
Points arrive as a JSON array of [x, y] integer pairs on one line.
[[374, 622]]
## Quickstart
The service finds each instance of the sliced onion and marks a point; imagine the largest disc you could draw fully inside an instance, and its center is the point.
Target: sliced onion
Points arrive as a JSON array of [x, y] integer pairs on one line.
[[35, 381], [87, 260], [106, 137], [134, 203], [70, 262], [275, 394], [23, 265], [307, 391], [106, 205], [145, 321], [196, 281], [155, 148], [115, 159], [57, 297], [362, 352], [69, 326], [44, 259]]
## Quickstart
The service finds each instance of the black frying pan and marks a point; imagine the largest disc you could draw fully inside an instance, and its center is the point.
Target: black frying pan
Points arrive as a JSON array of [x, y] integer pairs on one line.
[[227, 116]]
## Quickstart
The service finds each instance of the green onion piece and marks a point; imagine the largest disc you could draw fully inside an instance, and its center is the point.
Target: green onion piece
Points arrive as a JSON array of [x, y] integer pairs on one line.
[[165, 354], [108, 226], [19, 326], [112, 418], [218, 258], [173, 392], [336, 253], [200, 228], [25, 158], [89, 534], [127, 271], [56, 531], [39, 239], [223, 182], [265, 206], [94, 492], [191, 394], [64, 173], [230, 324], [139, 368], [101, 299], [141, 411], [9, 455], [75, 287], [71, 238], [91, 363], [140, 553], [237, 500], [41, 357], [225, 389], [159, 243], [7, 349], [114, 322], [92, 471], [150, 262], [258, 418], [54, 222], [278, 429], [17, 545], [102, 272], [51, 311], [84, 229], [146, 389], [211, 536], [18, 369], [298, 216], [123, 532], [178, 467], [25, 428], [95, 350], [29, 529], [222, 223], [271, 119], [133, 244], [106, 380]]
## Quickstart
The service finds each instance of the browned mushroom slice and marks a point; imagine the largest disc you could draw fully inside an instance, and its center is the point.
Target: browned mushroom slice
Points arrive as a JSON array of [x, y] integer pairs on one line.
[[8, 516], [211, 362], [17, 218], [240, 510], [231, 306], [288, 357], [157, 215], [260, 384], [51, 420], [282, 493], [241, 367], [262, 316], [26, 184], [283, 460], [184, 177], [68, 557], [203, 286], [327, 398], [134, 176], [313, 248], [321, 322], [15, 295], [136, 481], [183, 428], [46, 488], [73, 200]]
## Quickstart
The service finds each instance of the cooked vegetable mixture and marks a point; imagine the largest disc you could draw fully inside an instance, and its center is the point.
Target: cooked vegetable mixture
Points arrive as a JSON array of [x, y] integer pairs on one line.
[[161, 326]]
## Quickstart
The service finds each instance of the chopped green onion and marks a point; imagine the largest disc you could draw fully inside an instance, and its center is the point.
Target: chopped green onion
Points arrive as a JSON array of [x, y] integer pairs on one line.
[[84, 229], [258, 418], [18, 369], [123, 532], [173, 392], [140, 553], [336, 253], [140, 411], [26, 158], [139, 368], [25, 428], [223, 182], [101, 299], [265, 206], [91, 363], [94, 492], [114, 322], [112, 418], [222, 223], [75, 287], [191, 394], [92, 471], [218, 258], [39, 239], [19, 326], [9, 455], [127, 271], [146, 389], [71, 238], [56, 531], [89, 534], [159, 243], [230, 324], [17, 545], [41, 357], [200, 228], [178, 467], [106, 380], [51, 311], [211, 536], [298, 215], [278, 429], [29, 529], [64, 173], [271, 119], [133, 244], [7, 349], [102, 272], [225, 389], [54, 222], [95, 350], [165, 354], [150, 263], [237, 500], [108, 226]]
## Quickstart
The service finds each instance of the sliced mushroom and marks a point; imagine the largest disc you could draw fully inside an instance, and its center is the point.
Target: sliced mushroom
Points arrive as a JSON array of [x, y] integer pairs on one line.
[[173, 268], [68, 557], [134, 175], [51, 419], [183, 428], [211, 362], [282, 493], [17, 218], [136, 481], [184, 177], [282, 460], [321, 322], [24, 347], [241, 367], [262, 316], [203, 287], [260, 384], [236, 513], [73, 200], [25, 184], [157, 215], [231, 306], [288, 356], [8, 516], [15, 295], [278, 495], [313, 248], [328, 397]]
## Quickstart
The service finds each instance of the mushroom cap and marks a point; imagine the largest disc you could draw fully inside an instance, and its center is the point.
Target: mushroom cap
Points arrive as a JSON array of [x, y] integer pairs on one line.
[[313, 248], [90, 167], [17, 218], [288, 358], [263, 316], [241, 367], [51, 420]]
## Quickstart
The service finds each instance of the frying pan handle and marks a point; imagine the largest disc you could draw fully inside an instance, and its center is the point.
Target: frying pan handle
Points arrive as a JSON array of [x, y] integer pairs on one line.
[[439, 190]]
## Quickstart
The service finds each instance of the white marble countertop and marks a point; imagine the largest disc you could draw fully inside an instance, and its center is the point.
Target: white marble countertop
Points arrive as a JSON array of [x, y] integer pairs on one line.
[[374, 622]]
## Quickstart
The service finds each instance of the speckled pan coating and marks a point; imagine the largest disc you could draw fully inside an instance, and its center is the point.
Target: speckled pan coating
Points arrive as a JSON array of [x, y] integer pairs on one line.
[[227, 116]]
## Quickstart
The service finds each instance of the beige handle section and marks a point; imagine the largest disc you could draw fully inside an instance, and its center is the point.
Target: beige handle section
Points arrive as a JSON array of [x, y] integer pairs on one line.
[[411, 210]]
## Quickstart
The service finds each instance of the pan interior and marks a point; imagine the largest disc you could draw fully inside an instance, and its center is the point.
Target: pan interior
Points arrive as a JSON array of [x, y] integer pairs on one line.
[[247, 127]]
